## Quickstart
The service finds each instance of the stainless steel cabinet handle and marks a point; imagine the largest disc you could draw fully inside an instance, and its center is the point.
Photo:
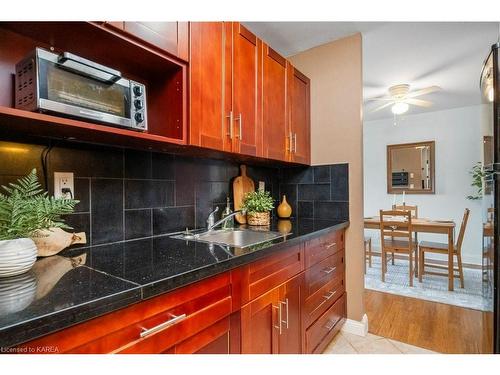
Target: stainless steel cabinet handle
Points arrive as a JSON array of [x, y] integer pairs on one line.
[[330, 245], [329, 295], [329, 270], [159, 327], [279, 318], [240, 119], [286, 304], [295, 143], [330, 325], [231, 119], [290, 142]]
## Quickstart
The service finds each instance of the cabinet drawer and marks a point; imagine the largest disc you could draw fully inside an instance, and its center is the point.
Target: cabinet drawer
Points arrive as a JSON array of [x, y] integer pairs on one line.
[[322, 331], [212, 340], [204, 302], [322, 247], [263, 275], [322, 299], [186, 320], [323, 272]]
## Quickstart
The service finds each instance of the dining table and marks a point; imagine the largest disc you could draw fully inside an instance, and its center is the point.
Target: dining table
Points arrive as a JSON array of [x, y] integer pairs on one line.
[[422, 225]]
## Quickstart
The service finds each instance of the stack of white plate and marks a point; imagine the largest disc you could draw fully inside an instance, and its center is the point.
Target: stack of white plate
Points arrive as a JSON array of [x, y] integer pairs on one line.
[[17, 293], [16, 256]]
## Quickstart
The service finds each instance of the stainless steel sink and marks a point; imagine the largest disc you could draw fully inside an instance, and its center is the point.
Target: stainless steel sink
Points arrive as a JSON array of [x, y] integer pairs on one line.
[[232, 237]]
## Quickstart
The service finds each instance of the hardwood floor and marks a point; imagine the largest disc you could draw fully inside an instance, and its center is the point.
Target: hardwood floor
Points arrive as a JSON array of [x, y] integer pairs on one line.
[[430, 325]]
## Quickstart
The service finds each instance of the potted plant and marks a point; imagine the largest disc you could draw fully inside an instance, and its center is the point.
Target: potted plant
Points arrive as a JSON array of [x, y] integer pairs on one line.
[[25, 211], [478, 174], [258, 205]]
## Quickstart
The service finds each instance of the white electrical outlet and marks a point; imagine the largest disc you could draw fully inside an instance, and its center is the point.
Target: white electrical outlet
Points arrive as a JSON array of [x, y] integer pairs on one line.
[[64, 185], [262, 185]]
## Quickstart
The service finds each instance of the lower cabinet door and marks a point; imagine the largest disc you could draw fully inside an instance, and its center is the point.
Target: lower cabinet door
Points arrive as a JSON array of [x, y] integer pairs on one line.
[[291, 297], [272, 323], [259, 324]]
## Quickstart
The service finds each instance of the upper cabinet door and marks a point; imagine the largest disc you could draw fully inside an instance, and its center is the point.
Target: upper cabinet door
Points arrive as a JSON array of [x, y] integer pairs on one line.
[[171, 37], [210, 90], [274, 112], [300, 121], [247, 127]]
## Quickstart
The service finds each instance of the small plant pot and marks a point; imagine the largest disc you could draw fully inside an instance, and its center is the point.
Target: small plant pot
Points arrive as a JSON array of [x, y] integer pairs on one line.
[[258, 218], [17, 256]]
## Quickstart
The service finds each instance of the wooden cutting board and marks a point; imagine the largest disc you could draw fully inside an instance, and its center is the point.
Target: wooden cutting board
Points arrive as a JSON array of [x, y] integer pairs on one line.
[[241, 186]]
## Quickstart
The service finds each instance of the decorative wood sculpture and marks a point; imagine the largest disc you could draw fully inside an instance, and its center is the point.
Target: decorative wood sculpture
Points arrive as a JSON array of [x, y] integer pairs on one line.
[[51, 242]]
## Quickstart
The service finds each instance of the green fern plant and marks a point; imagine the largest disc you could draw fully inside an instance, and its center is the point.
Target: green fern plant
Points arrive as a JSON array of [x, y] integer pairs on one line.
[[26, 208]]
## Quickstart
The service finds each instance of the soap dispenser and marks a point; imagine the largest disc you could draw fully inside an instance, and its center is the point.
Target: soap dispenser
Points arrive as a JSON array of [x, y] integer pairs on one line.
[[227, 211]]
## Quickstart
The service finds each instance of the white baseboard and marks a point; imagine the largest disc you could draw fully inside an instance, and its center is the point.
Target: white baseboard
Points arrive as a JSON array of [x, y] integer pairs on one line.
[[355, 327]]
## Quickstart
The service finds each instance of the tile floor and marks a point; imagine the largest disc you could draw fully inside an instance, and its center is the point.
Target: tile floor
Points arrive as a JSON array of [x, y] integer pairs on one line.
[[347, 343]]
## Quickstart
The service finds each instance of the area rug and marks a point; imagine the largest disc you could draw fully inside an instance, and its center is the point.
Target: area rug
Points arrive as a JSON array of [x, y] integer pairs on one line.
[[433, 288]]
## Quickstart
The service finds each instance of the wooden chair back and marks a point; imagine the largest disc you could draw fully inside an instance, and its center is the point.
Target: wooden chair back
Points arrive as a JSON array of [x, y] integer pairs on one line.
[[461, 234], [491, 214], [395, 224], [405, 207]]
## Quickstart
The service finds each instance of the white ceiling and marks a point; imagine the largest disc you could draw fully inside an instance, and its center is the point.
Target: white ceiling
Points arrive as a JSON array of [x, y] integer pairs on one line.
[[446, 54]]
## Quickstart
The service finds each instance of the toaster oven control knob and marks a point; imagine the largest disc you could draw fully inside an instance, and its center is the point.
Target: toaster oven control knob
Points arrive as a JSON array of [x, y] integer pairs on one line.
[[139, 117], [138, 104], [137, 90]]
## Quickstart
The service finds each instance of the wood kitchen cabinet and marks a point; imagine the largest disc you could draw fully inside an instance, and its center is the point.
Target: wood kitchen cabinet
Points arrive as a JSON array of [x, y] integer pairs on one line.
[[271, 324], [224, 91], [290, 301], [171, 37], [299, 87], [275, 140], [210, 85]]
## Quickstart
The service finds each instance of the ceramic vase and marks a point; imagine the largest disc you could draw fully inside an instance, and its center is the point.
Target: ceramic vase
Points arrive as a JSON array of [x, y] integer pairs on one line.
[[17, 256], [284, 209]]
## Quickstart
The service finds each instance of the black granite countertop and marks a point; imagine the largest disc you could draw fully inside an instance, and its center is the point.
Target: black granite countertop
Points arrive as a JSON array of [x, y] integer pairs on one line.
[[83, 283]]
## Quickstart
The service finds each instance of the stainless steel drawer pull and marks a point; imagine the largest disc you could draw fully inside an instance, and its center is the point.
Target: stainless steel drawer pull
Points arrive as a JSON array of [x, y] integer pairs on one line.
[[330, 325], [175, 319], [329, 295], [331, 245], [329, 270]]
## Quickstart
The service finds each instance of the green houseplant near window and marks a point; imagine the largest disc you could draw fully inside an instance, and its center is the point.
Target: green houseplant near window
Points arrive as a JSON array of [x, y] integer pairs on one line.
[[26, 210], [258, 205]]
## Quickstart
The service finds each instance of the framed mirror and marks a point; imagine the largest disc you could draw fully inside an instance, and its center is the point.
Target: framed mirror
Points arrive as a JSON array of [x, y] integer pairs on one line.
[[410, 168]]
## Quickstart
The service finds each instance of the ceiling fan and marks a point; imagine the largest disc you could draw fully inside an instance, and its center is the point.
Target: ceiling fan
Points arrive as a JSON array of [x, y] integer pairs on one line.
[[400, 97]]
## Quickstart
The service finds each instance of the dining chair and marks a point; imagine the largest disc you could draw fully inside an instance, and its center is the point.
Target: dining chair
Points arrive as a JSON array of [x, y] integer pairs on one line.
[[396, 238], [368, 251], [442, 248], [406, 207], [414, 215]]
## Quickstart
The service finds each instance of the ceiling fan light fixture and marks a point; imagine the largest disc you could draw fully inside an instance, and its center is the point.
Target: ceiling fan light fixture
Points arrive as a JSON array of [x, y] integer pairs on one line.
[[399, 108], [491, 94]]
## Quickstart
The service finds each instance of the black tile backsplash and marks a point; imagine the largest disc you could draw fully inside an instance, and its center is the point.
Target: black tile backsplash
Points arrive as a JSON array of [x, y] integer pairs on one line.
[[320, 192], [127, 194]]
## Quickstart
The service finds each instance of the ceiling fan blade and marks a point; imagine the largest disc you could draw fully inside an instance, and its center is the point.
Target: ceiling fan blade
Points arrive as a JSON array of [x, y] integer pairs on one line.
[[419, 102], [383, 106], [384, 98], [424, 91]]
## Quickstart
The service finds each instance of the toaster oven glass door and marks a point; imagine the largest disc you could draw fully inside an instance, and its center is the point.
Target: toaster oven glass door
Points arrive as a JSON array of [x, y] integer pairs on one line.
[[70, 88]]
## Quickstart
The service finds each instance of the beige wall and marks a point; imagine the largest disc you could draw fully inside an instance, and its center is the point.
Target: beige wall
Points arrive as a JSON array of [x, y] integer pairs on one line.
[[336, 77]]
